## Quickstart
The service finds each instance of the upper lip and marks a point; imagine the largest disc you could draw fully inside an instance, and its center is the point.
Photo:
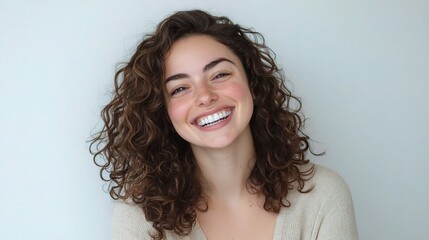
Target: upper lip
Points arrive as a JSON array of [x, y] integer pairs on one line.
[[215, 110]]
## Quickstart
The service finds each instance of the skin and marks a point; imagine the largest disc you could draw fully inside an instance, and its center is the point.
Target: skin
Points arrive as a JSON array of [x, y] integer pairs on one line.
[[204, 77]]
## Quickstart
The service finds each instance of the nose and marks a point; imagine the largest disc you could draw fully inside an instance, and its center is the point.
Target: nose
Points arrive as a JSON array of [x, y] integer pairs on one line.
[[205, 95]]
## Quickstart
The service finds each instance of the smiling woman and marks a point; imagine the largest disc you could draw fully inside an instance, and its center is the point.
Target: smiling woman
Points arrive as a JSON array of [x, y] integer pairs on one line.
[[201, 142], [214, 105]]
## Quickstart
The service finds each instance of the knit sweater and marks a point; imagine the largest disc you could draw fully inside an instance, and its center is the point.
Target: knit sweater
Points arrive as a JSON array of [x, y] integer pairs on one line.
[[325, 213]]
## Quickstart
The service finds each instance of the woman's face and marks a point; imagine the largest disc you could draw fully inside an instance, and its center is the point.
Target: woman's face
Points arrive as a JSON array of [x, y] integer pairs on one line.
[[208, 97]]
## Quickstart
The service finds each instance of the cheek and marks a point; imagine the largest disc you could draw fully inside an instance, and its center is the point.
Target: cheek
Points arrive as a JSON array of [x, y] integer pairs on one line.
[[177, 112], [241, 92]]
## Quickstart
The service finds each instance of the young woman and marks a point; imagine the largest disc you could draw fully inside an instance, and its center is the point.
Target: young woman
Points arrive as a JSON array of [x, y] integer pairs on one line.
[[201, 142]]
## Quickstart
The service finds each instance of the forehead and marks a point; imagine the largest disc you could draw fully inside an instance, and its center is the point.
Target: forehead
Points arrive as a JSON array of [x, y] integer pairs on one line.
[[193, 52]]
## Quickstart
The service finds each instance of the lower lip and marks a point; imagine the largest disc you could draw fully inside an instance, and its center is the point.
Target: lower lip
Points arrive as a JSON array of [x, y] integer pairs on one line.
[[218, 125]]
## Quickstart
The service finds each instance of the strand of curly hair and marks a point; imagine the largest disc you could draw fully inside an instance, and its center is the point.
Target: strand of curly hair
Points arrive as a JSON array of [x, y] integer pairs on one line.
[[149, 163]]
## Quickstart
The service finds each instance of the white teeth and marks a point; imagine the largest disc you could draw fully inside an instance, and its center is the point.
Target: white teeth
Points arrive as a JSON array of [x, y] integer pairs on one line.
[[212, 119]]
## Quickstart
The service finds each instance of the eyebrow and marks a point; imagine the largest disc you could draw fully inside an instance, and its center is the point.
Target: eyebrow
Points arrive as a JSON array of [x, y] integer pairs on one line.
[[206, 68]]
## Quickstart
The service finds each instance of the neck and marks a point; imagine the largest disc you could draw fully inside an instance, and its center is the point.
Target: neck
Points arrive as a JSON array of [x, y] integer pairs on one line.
[[225, 171]]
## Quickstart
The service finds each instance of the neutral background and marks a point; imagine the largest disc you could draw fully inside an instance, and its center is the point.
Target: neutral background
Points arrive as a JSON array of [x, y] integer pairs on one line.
[[361, 68]]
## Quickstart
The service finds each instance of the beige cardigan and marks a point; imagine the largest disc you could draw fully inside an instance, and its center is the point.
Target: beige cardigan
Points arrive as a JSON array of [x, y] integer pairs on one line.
[[324, 213]]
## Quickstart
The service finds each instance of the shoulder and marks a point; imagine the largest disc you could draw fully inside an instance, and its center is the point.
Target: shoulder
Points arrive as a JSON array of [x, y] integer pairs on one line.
[[326, 186], [327, 179], [327, 209], [129, 222]]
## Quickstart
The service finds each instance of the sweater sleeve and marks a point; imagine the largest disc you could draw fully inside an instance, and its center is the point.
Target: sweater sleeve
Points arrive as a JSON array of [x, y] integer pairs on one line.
[[129, 222], [337, 217]]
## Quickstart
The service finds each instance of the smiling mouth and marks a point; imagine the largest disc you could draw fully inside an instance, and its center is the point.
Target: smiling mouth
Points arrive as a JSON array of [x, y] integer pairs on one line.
[[213, 119]]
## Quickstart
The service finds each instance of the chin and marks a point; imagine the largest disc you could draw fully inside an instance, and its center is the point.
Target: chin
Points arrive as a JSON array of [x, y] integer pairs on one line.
[[210, 144]]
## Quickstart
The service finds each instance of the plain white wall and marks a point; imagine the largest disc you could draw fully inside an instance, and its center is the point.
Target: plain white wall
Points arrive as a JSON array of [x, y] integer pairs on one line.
[[361, 68]]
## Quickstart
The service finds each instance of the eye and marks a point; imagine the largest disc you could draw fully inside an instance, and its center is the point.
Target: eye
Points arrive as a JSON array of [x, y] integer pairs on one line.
[[221, 75], [178, 90]]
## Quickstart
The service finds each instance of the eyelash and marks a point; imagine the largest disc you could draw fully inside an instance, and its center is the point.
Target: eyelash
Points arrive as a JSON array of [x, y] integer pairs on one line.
[[220, 75], [177, 90]]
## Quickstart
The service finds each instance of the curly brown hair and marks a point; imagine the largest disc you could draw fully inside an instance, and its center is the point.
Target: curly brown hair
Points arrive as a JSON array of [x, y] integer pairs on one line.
[[149, 163]]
